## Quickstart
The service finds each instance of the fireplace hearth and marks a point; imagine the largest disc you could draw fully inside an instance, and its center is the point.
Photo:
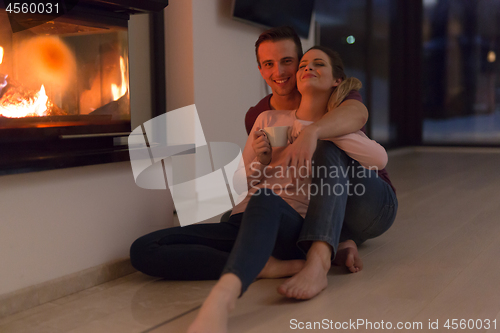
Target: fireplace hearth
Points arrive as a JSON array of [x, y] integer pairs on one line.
[[64, 88]]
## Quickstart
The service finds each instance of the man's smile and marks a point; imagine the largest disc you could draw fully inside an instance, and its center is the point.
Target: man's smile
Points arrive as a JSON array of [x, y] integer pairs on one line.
[[280, 81]]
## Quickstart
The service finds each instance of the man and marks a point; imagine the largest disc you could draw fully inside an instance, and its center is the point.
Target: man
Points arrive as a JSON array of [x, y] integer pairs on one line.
[[278, 52]]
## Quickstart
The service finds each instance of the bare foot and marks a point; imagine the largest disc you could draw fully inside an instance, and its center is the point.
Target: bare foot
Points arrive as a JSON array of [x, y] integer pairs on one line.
[[311, 280], [276, 268], [347, 254], [214, 313]]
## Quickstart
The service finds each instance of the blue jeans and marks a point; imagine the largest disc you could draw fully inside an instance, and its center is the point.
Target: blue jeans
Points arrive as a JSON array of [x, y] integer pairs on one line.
[[347, 201], [269, 226]]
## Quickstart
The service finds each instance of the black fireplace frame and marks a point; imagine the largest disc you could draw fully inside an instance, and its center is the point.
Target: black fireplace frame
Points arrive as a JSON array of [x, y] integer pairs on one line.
[[60, 147]]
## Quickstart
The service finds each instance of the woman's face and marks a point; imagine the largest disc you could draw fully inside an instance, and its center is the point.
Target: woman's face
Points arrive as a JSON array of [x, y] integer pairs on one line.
[[315, 72]]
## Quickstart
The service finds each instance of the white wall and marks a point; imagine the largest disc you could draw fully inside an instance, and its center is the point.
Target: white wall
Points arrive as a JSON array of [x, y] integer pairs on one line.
[[58, 222], [227, 81], [179, 54]]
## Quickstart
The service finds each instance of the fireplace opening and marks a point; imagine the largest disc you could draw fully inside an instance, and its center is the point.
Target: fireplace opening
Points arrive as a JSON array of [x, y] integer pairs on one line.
[[63, 73], [64, 89]]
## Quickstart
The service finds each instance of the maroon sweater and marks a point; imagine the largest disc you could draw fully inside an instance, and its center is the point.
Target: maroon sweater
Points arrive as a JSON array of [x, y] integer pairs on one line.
[[265, 105]]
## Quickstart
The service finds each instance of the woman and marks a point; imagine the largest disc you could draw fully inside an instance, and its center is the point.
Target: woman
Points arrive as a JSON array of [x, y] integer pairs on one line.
[[271, 215]]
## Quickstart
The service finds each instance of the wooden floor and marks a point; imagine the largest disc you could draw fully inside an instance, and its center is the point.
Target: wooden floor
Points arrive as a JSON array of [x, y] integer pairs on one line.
[[439, 262]]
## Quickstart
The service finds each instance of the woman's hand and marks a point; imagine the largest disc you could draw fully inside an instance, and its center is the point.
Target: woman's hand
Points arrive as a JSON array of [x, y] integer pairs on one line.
[[262, 147], [299, 154]]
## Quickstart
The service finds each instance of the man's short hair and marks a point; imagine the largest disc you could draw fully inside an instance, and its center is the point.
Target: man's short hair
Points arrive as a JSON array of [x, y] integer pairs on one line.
[[277, 34]]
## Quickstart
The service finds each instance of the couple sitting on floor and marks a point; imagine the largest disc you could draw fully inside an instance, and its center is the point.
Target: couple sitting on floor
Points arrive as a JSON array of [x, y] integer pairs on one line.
[[282, 228]]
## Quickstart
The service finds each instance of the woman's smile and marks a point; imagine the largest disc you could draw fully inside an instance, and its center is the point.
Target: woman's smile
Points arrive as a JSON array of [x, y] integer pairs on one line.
[[308, 75]]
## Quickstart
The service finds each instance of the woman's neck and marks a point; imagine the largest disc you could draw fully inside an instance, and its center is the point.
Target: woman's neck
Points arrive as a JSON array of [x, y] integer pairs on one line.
[[312, 106]]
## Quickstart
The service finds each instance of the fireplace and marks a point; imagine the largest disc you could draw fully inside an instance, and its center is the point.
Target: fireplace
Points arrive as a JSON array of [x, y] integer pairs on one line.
[[64, 88]]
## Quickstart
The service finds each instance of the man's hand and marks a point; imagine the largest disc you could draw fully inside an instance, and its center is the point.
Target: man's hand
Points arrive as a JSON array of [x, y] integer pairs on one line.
[[299, 154], [262, 147]]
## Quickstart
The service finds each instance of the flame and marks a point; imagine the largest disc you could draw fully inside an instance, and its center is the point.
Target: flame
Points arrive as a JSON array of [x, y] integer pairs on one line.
[[116, 91], [1, 54], [33, 107]]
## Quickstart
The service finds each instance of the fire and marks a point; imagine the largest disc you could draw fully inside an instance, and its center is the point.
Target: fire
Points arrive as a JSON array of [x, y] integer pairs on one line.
[[31, 107], [1, 54], [116, 91]]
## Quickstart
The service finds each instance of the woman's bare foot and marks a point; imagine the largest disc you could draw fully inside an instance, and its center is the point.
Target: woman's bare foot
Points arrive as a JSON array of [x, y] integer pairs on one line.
[[347, 254], [311, 280], [276, 268], [214, 313]]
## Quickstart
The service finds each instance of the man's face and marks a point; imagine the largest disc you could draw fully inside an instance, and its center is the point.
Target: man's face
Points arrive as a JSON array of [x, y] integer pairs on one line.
[[278, 65]]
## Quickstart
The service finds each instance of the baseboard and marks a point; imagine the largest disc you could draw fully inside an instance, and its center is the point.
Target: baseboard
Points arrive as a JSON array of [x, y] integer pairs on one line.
[[442, 149], [473, 150], [39, 294], [401, 151]]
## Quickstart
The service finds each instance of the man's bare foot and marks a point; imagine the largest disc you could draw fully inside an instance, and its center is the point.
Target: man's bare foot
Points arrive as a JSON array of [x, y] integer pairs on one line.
[[347, 254], [311, 280], [214, 313], [276, 268]]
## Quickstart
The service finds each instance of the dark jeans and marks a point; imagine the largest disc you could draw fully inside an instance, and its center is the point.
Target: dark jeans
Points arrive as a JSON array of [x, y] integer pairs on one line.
[[269, 226], [347, 202]]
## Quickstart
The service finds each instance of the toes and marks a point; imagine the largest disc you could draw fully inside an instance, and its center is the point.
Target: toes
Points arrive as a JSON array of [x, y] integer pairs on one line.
[[349, 261], [283, 289], [292, 292], [303, 295]]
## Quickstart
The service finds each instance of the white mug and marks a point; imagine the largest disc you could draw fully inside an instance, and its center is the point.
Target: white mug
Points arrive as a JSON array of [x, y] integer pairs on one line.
[[278, 135]]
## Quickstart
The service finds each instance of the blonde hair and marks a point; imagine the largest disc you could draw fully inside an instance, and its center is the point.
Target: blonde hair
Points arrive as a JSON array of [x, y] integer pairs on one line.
[[341, 92]]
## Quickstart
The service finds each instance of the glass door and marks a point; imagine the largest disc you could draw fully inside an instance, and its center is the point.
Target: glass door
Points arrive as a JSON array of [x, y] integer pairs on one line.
[[360, 31], [461, 81]]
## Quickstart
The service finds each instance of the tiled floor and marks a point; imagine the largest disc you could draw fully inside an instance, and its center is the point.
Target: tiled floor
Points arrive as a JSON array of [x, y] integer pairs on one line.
[[439, 261]]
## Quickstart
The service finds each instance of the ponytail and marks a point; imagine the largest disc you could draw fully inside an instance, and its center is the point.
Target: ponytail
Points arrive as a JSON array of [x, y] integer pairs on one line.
[[341, 92]]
